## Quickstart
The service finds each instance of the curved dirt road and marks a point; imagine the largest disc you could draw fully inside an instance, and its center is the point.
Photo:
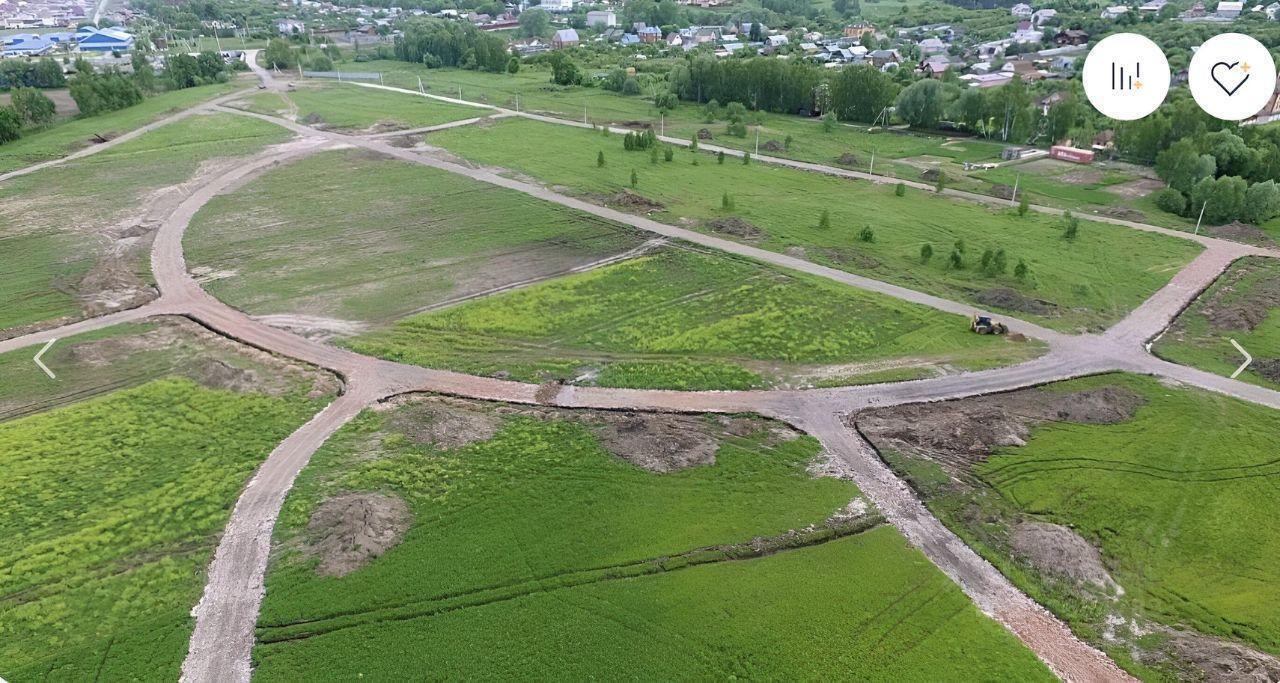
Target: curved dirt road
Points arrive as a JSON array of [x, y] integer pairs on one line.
[[227, 613]]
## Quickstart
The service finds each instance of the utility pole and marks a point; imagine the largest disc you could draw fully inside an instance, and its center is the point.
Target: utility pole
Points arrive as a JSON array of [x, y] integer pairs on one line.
[[662, 124], [584, 113], [757, 152], [420, 89], [1016, 180], [1206, 203], [871, 170]]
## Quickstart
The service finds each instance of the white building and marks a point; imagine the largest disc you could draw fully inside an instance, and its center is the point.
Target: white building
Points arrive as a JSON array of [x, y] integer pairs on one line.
[[557, 5], [601, 19], [1022, 10], [1114, 12], [1230, 9]]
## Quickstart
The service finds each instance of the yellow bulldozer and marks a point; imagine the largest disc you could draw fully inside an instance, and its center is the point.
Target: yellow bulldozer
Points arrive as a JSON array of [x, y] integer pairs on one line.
[[983, 324]]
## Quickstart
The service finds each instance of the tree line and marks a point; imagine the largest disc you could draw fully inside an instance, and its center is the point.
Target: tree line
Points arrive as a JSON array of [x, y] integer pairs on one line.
[[437, 43]]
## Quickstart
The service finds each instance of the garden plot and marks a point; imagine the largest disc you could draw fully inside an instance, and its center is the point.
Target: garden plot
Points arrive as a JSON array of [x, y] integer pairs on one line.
[[548, 542]]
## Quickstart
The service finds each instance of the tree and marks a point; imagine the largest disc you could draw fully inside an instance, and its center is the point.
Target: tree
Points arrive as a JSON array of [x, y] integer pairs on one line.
[[746, 158], [1171, 200], [828, 122], [48, 74], [630, 86], [970, 109], [1182, 166], [926, 252], [635, 179], [182, 71], [668, 153], [824, 221], [563, 70], [107, 91], [513, 65], [653, 154], [1232, 155], [143, 73], [720, 157], [32, 106], [956, 259], [786, 143], [921, 104], [1009, 106], [941, 183], [279, 54], [900, 190], [693, 143], [867, 234], [1070, 225], [10, 125], [1222, 198], [600, 159], [726, 202], [1024, 205], [1021, 270], [534, 23], [666, 101], [1262, 202], [860, 93], [1000, 262]]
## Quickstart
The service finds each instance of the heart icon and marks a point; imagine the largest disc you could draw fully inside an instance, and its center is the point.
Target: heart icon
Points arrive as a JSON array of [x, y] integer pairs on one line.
[[1213, 73]]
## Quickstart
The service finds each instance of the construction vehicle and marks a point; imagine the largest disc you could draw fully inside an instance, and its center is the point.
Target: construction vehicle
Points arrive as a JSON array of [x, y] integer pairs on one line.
[[983, 324]]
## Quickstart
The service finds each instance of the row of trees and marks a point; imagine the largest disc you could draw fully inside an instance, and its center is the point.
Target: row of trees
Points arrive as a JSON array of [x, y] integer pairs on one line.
[[783, 86], [1230, 175], [22, 73], [439, 43]]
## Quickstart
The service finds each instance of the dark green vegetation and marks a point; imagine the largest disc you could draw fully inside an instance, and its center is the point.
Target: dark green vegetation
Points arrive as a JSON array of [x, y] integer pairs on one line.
[[689, 320], [1179, 497], [1244, 304], [358, 109], [535, 551], [83, 228], [403, 237], [1090, 281], [64, 138], [112, 506]]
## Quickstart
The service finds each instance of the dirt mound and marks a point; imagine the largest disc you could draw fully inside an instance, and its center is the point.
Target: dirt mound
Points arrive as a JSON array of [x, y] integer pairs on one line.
[[1268, 368], [1123, 213], [960, 433], [439, 424], [1216, 660], [931, 174], [547, 392], [660, 443], [348, 531], [631, 200], [774, 146], [1228, 309], [1012, 300], [736, 227], [216, 374], [848, 159], [1242, 232], [704, 134], [1002, 191], [851, 256], [313, 119], [1059, 551]]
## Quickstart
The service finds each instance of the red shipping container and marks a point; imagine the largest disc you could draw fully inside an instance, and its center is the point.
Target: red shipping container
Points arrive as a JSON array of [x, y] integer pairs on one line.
[[1079, 156]]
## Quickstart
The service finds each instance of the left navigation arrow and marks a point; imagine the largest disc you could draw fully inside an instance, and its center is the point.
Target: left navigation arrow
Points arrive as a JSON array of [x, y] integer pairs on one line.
[[44, 367]]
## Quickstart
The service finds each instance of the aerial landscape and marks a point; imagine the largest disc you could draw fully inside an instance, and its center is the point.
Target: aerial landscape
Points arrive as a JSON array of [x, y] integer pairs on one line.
[[639, 339]]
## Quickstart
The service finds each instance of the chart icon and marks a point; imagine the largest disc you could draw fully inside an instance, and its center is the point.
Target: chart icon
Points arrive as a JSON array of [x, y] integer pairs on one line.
[[1126, 76]]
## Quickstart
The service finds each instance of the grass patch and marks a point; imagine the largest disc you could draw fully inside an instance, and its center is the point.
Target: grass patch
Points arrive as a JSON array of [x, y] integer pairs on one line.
[[1243, 304], [504, 529], [681, 319], [354, 108], [404, 237], [111, 511], [81, 226], [67, 137], [1089, 282]]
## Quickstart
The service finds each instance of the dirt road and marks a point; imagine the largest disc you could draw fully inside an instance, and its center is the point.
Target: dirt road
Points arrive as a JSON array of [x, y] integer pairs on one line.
[[227, 613]]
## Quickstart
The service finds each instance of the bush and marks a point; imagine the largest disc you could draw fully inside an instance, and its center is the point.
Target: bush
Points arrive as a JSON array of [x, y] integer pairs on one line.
[[668, 153], [867, 234], [824, 221], [900, 190], [926, 252], [1261, 202], [10, 125], [32, 106], [1171, 200], [726, 202], [1070, 225], [630, 86]]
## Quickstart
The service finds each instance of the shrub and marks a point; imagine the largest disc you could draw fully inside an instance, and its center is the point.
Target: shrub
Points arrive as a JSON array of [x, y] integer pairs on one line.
[[600, 159], [824, 221], [900, 190], [926, 252], [1171, 200], [867, 234]]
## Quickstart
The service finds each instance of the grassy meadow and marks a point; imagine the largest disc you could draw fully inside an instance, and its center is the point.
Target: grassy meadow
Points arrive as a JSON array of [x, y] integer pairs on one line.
[[536, 552], [351, 108], [111, 511], [1244, 305], [1179, 499], [69, 136], [683, 319], [1087, 282], [96, 238], [403, 237]]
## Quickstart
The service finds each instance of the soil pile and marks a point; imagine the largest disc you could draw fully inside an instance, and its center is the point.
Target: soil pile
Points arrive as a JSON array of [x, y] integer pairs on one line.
[[660, 443], [1216, 660], [348, 531], [959, 434], [631, 200], [774, 146], [1268, 368], [1012, 300], [1002, 191], [848, 159], [1225, 310], [444, 424], [704, 133], [1059, 551], [1242, 232], [736, 227]]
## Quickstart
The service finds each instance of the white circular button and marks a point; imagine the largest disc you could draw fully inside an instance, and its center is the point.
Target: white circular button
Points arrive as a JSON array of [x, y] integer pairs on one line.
[[1126, 76], [1232, 76]]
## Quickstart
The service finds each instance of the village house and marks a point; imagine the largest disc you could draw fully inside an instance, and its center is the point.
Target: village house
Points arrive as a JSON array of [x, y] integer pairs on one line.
[[1022, 10], [1071, 36], [1114, 12], [564, 38], [601, 18], [857, 31], [932, 46]]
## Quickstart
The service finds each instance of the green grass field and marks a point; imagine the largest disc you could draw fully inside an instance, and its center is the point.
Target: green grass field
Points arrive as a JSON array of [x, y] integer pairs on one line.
[[686, 320], [1244, 305], [538, 553], [77, 225], [1180, 500], [1089, 282], [348, 107], [402, 237], [111, 511], [67, 137]]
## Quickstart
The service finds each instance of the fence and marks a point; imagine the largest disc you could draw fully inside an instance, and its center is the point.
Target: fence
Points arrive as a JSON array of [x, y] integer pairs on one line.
[[346, 75]]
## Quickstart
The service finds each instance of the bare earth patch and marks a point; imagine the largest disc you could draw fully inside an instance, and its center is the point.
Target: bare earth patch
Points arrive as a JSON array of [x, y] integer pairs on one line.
[[1242, 232], [659, 442], [348, 531], [444, 422], [1135, 189], [1058, 551], [735, 227], [1226, 311], [1012, 300]]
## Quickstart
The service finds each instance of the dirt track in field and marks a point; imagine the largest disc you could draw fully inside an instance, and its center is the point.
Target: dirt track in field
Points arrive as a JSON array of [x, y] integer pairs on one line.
[[227, 613]]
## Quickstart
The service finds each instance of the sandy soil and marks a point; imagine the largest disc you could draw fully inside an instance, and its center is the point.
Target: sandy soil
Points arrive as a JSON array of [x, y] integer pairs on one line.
[[348, 531]]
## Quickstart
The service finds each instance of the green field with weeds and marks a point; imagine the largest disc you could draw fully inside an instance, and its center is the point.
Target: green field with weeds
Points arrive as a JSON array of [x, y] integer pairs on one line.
[[1178, 498], [111, 509], [685, 319], [402, 238], [354, 108], [535, 549], [64, 138], [1244, 305], [1087, 282], [84, 227]]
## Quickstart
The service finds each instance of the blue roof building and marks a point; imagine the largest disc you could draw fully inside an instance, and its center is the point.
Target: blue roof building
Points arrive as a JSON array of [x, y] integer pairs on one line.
[[104, 40], [28, 45]]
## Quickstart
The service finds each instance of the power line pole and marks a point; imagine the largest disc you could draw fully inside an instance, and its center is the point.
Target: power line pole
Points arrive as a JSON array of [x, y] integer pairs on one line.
[[757, 152], [1206, 203], [871, 170], [1016, 181]]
